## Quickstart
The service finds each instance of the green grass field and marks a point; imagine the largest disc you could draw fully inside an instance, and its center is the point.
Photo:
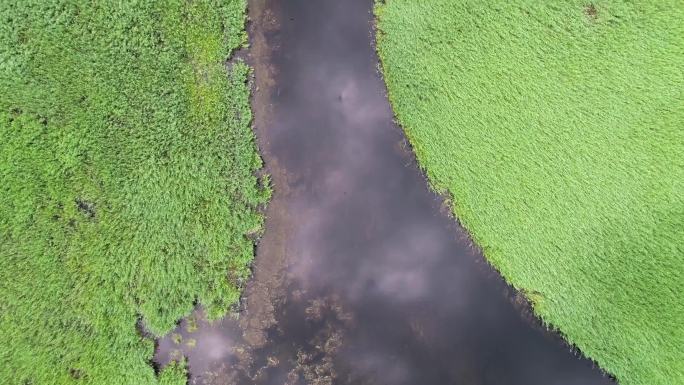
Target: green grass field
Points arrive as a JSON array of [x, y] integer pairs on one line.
[[127, 187], [558, 129]]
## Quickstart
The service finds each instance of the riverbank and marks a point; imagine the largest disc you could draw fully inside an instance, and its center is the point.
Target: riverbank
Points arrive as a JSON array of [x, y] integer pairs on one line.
[[556, 129], [128, 192]]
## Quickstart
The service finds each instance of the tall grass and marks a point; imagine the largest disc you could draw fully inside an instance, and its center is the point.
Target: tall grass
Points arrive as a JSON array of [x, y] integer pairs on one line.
[[557, 127], [127, 181]]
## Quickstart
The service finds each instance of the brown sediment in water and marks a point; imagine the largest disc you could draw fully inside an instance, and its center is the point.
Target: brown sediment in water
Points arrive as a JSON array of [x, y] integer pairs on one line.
[[265, 290]]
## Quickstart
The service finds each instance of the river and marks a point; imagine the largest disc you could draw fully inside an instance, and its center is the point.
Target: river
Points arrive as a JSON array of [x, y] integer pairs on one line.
[[361, 276]]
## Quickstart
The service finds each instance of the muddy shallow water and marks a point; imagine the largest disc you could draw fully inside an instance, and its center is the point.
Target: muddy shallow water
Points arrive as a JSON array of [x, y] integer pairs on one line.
[[361, 276]]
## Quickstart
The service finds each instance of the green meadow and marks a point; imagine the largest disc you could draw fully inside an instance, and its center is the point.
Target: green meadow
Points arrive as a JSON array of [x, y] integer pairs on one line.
[[127, 182], [557, 129]]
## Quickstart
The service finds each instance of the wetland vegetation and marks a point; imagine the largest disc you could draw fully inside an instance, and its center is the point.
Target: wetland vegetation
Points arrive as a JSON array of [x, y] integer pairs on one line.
[[128, 187], [557, 130], [129, 193]]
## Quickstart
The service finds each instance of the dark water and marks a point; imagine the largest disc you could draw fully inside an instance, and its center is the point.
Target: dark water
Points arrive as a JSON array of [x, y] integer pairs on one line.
[[361, 277]]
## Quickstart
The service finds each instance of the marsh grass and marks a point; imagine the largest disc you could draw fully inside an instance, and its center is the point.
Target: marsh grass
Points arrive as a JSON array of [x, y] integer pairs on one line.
[[557, 127], [127, 182]]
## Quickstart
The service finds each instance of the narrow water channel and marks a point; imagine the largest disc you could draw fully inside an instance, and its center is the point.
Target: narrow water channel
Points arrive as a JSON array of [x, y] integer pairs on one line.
[[361, 276]]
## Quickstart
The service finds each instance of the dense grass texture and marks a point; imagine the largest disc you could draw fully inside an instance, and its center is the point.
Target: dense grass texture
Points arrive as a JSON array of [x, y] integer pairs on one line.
[[127, 187], [558, 130]]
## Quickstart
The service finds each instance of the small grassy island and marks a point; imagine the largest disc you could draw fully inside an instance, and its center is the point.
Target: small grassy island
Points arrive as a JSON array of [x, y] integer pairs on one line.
[[127, 182], [558, 129]]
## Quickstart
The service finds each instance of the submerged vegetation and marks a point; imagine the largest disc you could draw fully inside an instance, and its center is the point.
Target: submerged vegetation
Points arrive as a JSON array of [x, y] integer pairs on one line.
[[127, 187], [557, 127]]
